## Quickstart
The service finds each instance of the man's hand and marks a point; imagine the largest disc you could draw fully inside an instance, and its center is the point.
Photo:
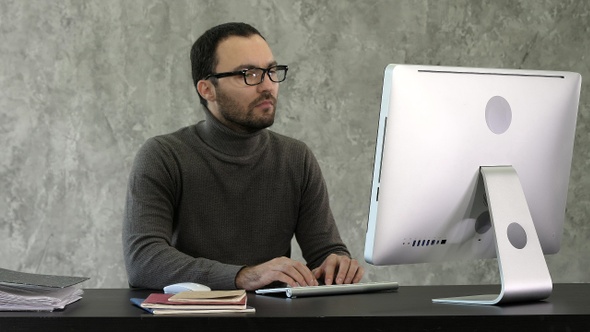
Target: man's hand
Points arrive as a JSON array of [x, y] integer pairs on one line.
[[339, 269], [280, 269]]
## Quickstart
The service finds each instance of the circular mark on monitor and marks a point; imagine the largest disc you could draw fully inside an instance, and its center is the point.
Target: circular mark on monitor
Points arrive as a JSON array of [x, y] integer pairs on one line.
[[516, 235], [498, 115]]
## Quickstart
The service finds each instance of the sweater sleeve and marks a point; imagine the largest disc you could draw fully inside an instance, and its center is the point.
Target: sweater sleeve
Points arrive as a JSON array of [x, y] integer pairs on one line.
[[150, 259], [316, 233]]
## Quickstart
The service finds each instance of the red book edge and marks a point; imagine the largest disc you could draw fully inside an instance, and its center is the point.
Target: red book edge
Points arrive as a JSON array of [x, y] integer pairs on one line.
[[159, 298]]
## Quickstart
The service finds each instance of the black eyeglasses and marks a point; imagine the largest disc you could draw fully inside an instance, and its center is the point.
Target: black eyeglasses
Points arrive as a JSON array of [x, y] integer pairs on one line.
[[255, 76]]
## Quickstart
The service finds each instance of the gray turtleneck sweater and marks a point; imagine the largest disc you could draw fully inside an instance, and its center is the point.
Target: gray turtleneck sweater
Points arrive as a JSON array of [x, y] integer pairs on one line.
[[204, 201]]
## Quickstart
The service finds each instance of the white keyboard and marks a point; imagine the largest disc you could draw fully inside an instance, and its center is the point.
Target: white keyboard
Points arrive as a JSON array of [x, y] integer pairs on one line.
[[330, 289]]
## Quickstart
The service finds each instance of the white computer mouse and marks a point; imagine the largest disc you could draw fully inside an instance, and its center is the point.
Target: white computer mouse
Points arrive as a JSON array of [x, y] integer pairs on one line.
[[185, 286]]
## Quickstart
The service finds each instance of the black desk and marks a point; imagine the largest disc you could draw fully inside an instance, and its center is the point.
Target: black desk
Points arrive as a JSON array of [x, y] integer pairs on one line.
[[408, 309]]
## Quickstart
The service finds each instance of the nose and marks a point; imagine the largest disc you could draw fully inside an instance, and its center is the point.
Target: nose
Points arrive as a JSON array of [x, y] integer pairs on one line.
[[267, 84]]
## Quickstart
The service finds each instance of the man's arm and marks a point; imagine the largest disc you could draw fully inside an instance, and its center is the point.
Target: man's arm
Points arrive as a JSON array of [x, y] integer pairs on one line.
[[318, 235], [150, 259]]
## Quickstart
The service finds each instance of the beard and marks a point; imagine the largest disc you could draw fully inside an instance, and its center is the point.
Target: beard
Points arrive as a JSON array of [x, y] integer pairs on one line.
[[246, 118]]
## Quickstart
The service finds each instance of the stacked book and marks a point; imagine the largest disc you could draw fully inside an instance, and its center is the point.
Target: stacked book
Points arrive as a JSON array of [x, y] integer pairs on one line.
[[195, 302], [21, 291]]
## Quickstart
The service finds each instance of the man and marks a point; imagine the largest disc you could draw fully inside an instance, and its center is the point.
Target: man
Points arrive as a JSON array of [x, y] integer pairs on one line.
[[218, 202]]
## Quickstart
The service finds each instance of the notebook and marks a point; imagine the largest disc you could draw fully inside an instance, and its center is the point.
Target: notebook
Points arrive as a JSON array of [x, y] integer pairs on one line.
[[34, 279], [322, 290]]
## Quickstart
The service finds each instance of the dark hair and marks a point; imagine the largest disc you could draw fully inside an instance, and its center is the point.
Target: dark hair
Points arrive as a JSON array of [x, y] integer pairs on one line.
[[203, 53]]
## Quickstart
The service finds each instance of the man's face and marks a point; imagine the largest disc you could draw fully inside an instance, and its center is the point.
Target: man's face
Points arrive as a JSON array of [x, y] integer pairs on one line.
[[241, 107]]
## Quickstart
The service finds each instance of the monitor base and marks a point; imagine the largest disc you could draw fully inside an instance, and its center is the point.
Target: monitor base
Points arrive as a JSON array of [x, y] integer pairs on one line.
[[523, 270]]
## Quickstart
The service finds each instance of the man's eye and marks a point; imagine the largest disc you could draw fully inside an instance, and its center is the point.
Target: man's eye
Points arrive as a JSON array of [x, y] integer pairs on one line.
[[251, 74]]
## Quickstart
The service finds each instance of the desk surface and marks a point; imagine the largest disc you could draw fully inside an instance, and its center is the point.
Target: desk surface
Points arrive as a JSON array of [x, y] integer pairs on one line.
[[408, 309]]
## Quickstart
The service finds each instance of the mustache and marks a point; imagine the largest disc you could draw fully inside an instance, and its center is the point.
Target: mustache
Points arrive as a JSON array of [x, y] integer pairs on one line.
[[264, 96]]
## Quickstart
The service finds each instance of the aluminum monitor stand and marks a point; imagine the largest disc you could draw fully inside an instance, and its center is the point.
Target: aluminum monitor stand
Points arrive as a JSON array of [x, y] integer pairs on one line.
[[523, 270]]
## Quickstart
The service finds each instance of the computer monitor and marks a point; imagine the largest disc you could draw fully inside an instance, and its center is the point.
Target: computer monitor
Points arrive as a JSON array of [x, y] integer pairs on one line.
[[473, 163]]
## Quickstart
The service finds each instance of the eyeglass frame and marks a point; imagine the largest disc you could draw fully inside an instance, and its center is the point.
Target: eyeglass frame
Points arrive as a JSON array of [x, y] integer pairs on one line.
[[243, 73]]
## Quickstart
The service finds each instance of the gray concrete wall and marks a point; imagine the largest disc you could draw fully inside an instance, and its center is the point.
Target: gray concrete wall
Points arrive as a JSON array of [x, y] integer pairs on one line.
[[84, 83]]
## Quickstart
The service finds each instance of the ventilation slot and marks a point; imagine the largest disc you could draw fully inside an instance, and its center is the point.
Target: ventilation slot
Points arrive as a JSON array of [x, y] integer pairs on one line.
[[424, 242]]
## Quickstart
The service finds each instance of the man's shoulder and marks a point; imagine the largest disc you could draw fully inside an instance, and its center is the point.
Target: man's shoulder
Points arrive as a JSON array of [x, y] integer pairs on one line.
[[284, 140], [292, 149], [179, 137], [167, 145]]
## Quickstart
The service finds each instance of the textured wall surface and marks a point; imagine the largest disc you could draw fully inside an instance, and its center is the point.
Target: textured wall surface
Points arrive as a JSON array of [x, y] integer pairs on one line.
[[84, 83]]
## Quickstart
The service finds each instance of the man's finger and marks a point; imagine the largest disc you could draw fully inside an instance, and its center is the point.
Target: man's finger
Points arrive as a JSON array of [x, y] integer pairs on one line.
[[298, 272], [329, 267], [343, 266]]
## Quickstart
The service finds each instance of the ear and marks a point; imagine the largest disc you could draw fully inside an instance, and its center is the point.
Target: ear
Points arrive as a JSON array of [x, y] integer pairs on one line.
[[206, 90]]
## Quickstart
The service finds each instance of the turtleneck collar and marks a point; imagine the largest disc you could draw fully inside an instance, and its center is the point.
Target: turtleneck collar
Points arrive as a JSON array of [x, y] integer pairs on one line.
[[227, 141]]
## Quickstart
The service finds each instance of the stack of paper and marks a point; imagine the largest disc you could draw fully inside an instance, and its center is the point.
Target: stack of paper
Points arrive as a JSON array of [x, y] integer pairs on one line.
[[21, 291], [195, 302], [14, 297]]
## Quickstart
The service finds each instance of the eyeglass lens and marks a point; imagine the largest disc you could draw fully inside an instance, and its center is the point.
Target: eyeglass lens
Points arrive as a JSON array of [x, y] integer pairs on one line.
[[254, 76]]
